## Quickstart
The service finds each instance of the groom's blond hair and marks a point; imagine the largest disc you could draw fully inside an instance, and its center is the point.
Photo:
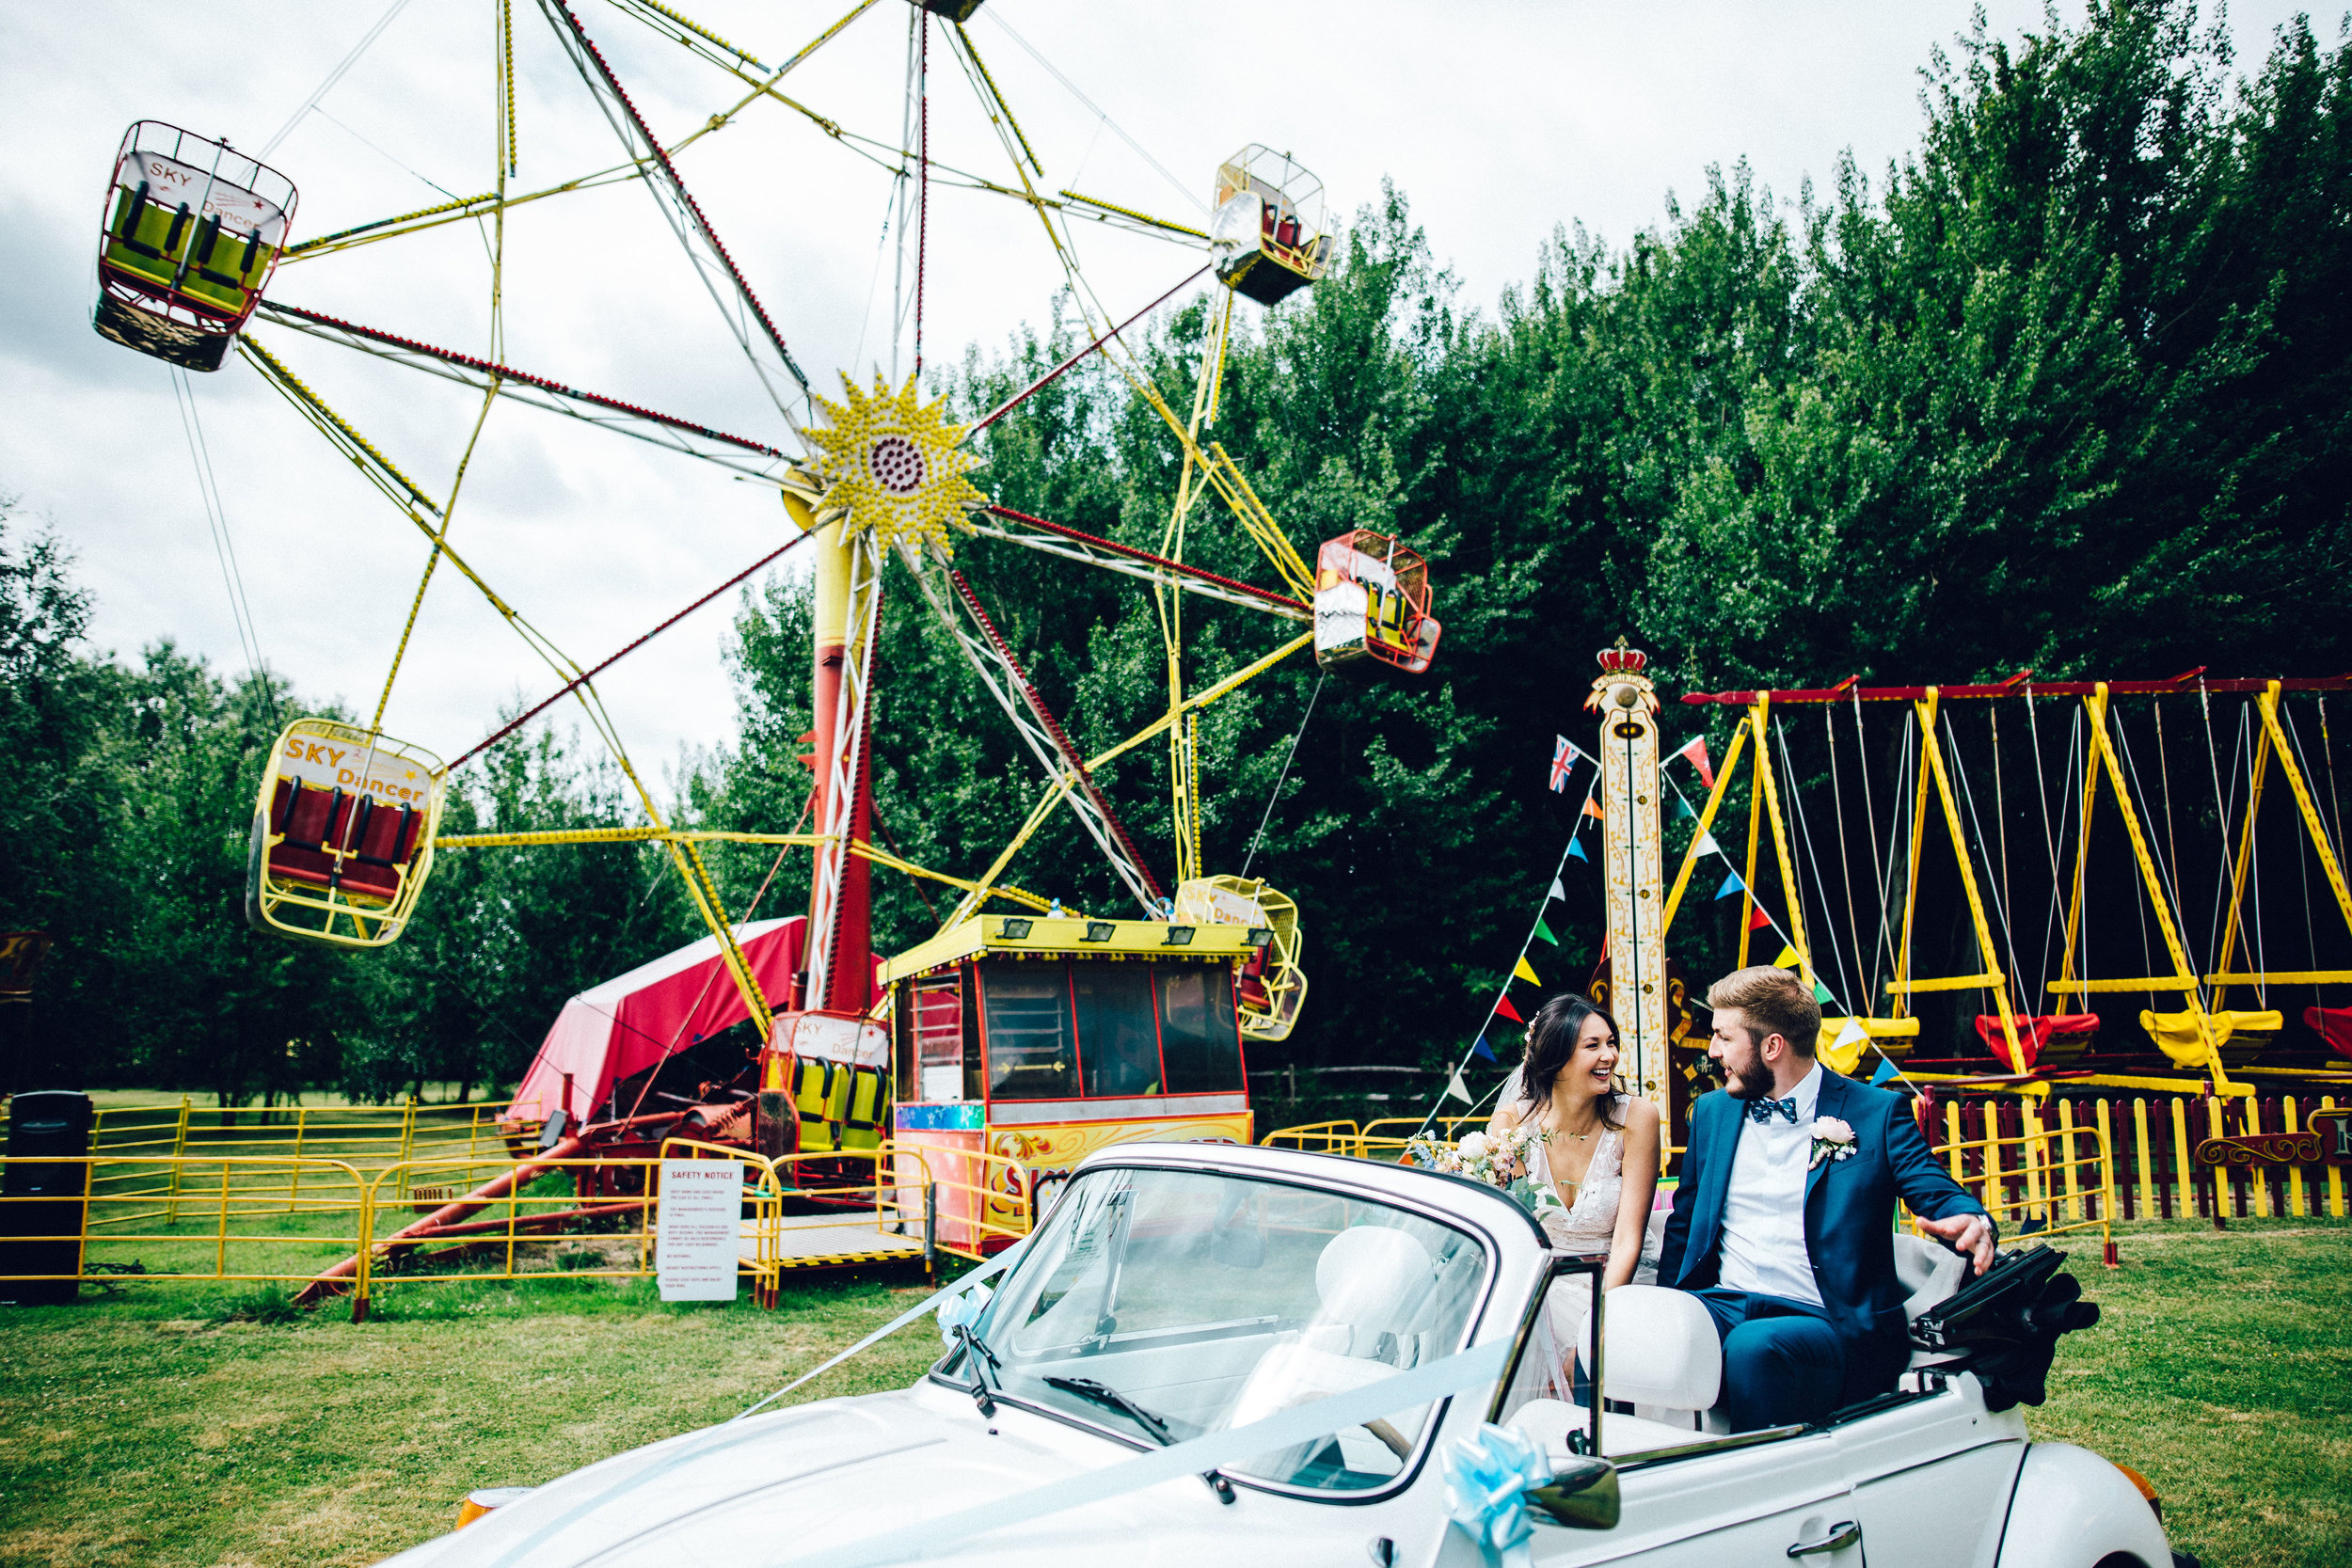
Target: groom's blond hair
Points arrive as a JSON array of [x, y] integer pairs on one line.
[[1775, 1001]]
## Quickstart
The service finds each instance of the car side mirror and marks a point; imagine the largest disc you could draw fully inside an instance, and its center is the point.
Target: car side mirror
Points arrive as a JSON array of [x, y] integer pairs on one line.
[[1583, 1495]]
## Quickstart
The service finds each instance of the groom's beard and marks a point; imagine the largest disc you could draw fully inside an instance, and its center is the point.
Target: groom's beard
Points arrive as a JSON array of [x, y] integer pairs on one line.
[[1749, 1079]]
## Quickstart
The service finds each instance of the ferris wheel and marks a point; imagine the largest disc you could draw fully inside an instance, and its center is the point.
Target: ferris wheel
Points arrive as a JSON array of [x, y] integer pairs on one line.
[[345, 826]]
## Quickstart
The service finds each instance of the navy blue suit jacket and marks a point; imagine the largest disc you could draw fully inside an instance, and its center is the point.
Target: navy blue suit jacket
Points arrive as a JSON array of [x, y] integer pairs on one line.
[[1849, 1203]]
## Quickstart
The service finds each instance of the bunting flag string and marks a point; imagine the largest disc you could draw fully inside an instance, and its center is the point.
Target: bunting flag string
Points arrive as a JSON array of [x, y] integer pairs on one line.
[[1693, 751], [1758, 920], [1576, 849], [1480, 1048], [1557, 892], [1505, 1010]]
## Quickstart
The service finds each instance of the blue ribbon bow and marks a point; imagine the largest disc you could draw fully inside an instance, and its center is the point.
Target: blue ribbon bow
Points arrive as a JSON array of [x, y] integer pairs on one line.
[[961, 1311], [1487, 1476], [1762, 1111]]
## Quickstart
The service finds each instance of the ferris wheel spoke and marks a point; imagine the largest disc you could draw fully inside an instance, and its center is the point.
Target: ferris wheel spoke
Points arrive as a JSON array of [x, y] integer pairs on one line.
[[1071, 776], [1110, 555], [746, 317], [751, 459]]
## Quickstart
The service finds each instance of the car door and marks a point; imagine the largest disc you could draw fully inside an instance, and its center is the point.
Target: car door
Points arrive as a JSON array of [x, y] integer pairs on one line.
[[1720, 1502], [1935, 1474]]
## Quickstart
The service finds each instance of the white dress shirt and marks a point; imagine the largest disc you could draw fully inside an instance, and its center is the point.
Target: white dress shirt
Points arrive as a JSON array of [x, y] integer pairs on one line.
[[1763, 1240]]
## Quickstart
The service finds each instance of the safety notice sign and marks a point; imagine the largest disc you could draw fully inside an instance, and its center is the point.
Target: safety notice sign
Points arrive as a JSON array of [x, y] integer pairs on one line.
[[698, 1229]]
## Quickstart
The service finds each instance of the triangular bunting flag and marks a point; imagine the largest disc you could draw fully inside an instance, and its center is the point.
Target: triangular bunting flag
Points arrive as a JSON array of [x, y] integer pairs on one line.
[[1853, 1031], [1523, 971], [1557, 891], [1682, 809], [1592, 807], [1884, 1072], [1788, 958], [1821, 993], [1505, 1010], [1545, 932], [1695, 752], [1758, 920], [1576, 852], [1480, 1049], [1705, 844], [1731, 884], [1459, 1090]]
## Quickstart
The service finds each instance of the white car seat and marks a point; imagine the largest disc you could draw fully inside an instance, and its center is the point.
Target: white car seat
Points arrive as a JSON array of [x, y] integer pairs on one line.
[[1372, 1283]]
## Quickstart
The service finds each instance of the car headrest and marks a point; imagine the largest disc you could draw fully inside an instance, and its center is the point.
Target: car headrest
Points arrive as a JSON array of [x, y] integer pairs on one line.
[[1369, 1276], [1931, 1273], [1659, 1347]]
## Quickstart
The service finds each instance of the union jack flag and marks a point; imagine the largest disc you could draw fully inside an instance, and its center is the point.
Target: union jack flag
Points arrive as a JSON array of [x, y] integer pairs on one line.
[[1563, 756]]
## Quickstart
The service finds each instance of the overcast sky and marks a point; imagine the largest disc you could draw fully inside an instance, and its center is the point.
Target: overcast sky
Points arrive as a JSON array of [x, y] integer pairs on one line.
[[1498, 120]]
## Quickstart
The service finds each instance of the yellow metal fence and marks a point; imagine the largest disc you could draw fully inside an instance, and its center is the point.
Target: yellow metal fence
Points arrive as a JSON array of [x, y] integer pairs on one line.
[[295, 1220]]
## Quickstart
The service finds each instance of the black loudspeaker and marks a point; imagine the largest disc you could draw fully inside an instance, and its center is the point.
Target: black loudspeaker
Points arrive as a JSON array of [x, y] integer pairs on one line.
[[40, 1223]]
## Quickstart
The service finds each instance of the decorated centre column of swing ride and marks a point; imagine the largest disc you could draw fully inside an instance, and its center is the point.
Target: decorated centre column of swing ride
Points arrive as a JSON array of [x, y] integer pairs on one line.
[[1214, 961]]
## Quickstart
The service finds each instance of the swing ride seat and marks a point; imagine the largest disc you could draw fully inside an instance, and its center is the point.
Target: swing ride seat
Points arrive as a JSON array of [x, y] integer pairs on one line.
[[2045, 1039], [191, 232], [2333, 1024], [2241, 1036], [342, 827], [1371, 605]]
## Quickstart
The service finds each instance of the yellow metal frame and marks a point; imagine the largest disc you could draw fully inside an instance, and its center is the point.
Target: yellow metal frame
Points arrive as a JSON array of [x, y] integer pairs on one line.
[[2100, 759], [2273, 739]]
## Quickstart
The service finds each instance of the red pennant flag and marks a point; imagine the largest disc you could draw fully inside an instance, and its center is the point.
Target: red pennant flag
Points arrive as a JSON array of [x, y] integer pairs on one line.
[[1694, 752], [1758, 920], [1505, 1010]]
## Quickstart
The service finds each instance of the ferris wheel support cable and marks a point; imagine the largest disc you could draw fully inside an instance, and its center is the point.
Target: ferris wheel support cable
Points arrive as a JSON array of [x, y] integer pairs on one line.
[[1001, 678], [1062, 783], [1070, 753], [566, 690], [440, 544], [645, 424], [700, 240]]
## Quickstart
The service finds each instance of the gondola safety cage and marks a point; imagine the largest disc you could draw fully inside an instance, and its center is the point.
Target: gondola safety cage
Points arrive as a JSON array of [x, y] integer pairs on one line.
[[191, 233], [1269, 987], [1268, 229], [343, 835], [1371, 605]]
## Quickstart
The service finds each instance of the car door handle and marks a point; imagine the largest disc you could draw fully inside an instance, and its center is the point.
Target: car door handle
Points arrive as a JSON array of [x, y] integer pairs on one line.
[[1846, 1533]]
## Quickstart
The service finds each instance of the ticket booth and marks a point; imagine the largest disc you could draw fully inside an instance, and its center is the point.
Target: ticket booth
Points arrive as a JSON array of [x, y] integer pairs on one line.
[[1040, 1041]]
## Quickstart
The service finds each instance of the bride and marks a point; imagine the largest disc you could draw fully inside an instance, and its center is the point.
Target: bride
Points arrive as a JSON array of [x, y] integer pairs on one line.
[[1600, 1148]]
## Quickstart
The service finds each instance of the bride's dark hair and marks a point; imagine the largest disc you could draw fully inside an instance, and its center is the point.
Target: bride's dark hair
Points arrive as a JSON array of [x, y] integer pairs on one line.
[[1552, 1037]]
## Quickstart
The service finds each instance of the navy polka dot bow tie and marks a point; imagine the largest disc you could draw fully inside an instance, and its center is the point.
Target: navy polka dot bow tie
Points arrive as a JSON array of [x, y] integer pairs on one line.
[[1761, 1112]]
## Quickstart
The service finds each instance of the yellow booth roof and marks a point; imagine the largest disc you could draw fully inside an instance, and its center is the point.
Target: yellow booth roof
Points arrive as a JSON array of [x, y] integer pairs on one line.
[[1038, 936]]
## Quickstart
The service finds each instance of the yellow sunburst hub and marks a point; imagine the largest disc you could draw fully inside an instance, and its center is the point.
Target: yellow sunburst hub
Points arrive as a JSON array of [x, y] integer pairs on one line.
[[897, 465]]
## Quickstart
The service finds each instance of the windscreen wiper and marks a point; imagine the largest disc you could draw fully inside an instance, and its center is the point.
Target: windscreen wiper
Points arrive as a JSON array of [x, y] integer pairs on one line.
[[982, 1361], [1103, 1393]]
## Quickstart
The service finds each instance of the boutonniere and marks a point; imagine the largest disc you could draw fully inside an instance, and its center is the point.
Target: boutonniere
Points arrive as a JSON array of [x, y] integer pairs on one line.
[[1832, 1140]]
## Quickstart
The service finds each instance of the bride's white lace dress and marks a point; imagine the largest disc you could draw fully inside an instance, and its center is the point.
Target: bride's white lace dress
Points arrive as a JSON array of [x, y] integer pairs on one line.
[[1590, 1223]]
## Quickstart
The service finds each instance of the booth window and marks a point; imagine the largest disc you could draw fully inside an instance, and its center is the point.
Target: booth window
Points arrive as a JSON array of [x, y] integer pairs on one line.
[[1200, 1037], [1116, 1029], [1032, 1045]]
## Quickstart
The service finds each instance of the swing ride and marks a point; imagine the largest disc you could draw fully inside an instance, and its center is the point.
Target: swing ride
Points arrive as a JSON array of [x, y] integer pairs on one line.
[[1863, 917], [1032, 1036]]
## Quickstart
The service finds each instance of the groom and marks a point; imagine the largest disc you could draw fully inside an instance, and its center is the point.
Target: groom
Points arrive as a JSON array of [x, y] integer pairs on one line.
[[1783, 1222]]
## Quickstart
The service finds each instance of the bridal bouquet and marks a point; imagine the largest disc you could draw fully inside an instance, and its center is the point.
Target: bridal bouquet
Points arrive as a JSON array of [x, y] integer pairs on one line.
[[1500, 1160]]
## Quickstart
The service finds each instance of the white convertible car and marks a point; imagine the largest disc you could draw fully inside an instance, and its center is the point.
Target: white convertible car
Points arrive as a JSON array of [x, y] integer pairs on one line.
[[1211, 1356]]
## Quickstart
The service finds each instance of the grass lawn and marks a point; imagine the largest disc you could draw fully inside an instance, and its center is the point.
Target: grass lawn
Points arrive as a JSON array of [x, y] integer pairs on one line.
[[153, 1427]]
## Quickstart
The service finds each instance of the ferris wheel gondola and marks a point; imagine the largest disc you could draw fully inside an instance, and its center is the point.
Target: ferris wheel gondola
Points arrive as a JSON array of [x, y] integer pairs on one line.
[[1269, 230], [192, 232], [343, 835]]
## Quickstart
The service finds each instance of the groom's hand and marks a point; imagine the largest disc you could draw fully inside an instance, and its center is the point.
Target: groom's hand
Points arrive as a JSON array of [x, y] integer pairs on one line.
[[1968, 1233]]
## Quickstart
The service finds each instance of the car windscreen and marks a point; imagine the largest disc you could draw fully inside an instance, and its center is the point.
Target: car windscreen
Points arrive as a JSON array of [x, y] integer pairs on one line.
[[1208, 1301]]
